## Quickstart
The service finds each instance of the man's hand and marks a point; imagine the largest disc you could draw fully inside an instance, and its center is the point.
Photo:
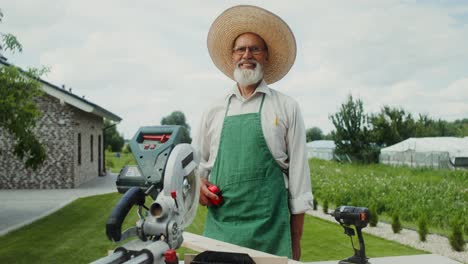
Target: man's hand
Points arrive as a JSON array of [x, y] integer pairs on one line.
[[297, 223], [205, 194]]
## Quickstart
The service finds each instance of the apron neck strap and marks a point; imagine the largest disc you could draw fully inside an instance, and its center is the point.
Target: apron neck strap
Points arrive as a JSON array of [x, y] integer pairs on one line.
[[261, 104], [229, 103]]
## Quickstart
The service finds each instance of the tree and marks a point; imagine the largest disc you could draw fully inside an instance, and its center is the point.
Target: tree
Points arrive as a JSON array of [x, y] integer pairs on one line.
[[391, 126], [112, 138], [18, 111], [178, 118], [314, 133], [352, 135], [461, 127]]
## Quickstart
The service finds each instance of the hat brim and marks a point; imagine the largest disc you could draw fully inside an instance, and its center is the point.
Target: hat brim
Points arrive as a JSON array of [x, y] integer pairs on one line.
[[245, 18]]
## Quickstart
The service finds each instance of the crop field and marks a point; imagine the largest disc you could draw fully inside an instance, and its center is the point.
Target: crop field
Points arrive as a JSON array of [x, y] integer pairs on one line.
[[441, 195]]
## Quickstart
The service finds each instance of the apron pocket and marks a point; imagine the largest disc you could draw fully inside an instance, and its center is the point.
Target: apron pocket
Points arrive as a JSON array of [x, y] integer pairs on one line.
[[243, 176], [247, 195]]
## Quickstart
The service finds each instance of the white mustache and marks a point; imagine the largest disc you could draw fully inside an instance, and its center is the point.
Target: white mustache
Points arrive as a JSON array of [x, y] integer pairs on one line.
[[252, 61]]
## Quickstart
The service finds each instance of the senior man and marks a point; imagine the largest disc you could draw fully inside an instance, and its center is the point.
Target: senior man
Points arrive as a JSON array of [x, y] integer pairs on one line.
[[252, 141]]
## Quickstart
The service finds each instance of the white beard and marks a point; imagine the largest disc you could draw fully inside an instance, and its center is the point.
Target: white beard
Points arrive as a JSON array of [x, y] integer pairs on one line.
[[245, 77]]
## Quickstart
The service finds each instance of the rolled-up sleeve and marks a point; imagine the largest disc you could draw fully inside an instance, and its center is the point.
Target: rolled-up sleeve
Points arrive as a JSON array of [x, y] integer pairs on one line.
[[300, 189]]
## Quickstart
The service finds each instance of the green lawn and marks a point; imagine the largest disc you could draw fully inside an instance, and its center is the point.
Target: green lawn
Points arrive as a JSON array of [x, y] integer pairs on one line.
[[76, 234], [115, 164]]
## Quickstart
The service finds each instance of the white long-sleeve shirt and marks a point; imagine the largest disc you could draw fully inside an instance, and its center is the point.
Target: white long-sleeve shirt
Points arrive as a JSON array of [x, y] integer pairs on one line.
[[284, 132]]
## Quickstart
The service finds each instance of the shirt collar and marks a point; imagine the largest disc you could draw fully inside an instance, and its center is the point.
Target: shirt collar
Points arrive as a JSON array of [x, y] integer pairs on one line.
[[262, 88]]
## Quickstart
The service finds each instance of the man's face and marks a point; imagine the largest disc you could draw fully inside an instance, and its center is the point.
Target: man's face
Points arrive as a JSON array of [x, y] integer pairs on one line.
[[247, 47], [249, 54]]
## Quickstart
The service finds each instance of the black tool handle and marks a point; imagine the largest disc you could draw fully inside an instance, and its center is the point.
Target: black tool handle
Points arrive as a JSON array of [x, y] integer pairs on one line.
[[362, 247], [134, 196]]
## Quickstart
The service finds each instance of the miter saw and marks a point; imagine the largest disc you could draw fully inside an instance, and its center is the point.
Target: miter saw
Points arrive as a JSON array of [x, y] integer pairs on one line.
[[167, 175]]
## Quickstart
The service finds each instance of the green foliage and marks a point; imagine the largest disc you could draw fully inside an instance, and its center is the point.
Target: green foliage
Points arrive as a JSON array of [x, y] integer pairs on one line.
[[456, 237], [314, 204], [391, 126], [412, 191], [109, 163], [127, 149], [325, 206], [178, 118], [314, 133], [422, 228], [82, 239], [18, 111], [112, 138], [352, 135], [9, 41], [374, 216], [116, 164], [360, 136], [396, 224]]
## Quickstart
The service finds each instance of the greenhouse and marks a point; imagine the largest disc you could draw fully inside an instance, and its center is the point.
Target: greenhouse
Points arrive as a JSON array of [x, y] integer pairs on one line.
[[321, 149], [433, 152]]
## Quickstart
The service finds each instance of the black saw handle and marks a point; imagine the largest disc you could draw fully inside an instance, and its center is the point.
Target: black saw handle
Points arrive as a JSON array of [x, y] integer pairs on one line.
[[134, 196]]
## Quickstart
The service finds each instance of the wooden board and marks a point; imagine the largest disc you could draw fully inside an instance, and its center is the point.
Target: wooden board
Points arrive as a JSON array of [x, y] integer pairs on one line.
[[201, 243]]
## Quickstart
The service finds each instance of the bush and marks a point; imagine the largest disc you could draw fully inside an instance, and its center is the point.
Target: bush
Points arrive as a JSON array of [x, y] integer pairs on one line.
[[374, 217], [127, 149], [109, 163], [396, 224], [325, 206], [314, 204], [422, 228], [456, 237]]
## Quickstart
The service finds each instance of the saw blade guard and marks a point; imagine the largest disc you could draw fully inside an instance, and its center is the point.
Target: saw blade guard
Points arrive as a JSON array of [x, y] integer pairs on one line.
[[181, 178]]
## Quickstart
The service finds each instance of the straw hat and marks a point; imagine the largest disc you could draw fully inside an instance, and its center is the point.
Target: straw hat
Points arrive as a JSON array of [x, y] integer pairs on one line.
[[245, 18]]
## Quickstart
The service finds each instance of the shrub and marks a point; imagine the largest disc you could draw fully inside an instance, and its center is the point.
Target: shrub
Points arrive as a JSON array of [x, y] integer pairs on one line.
[[396, 224], [314, 204], [422, 228], [325, 206], [374, 217], [109, 163], [456, 237], [127, 149]]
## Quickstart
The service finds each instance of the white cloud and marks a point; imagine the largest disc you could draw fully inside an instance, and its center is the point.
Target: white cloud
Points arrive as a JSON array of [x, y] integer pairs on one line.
[[142, 60]]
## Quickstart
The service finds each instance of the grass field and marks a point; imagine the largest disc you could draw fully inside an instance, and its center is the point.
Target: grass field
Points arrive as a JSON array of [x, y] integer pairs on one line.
[[115, 164], [76, 234], [442, 195]]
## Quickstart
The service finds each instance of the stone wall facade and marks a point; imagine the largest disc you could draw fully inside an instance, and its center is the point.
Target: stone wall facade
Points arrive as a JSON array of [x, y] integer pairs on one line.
[[58, 130]]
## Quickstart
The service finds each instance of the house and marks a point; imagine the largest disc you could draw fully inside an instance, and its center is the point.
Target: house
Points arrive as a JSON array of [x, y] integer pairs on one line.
[[71, 129]]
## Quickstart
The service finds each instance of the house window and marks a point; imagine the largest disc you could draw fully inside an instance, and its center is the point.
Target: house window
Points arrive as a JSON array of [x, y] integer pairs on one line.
[[91, 147], [79, 148]]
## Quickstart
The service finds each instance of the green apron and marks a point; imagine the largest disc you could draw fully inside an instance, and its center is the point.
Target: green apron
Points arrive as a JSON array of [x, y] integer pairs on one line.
[[255, 212]]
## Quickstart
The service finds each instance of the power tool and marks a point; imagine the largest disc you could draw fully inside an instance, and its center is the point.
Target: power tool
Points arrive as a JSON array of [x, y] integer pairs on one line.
[[358, 217], [166, 174]]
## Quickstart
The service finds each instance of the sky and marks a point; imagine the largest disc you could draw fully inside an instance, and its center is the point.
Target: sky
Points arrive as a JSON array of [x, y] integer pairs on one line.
[[144, 59]]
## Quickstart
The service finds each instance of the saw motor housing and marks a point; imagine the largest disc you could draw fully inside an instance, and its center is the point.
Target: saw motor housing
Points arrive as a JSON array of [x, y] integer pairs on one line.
[[151, 147]]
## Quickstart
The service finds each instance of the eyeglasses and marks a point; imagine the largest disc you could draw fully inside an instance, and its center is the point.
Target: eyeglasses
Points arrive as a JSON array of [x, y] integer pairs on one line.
[[253, 49]]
